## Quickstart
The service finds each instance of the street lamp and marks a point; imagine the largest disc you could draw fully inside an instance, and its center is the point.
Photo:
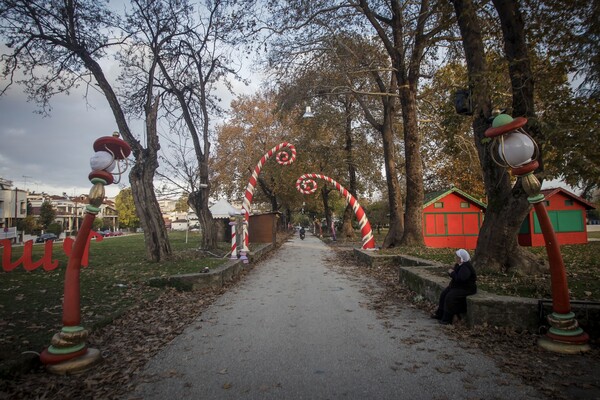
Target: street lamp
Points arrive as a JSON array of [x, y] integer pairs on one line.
[[68, 352], [518, 151]]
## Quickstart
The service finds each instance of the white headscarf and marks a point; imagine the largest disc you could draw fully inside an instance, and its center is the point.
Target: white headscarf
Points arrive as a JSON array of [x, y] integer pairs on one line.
[[463, 255]]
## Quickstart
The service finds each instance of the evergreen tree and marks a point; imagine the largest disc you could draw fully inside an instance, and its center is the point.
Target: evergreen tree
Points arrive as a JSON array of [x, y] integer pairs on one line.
[[47, 214]]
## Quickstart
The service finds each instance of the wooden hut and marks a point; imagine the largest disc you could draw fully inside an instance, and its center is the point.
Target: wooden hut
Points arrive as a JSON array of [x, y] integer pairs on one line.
[[262, 228], [567, 214], [451, 218]]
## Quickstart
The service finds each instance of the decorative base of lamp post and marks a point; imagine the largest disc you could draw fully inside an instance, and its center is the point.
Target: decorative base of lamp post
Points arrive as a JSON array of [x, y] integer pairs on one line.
[[76, 365], [562, 347], [68, 353], [565, 336]]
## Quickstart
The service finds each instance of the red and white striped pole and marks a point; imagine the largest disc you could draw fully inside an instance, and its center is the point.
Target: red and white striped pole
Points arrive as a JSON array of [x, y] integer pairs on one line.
[[233, 223], [283, 158], [306, 184]]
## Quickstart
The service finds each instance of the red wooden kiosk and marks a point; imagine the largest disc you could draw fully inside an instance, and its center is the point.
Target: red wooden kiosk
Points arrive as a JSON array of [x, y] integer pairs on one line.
[[567, 214], [451, 218]]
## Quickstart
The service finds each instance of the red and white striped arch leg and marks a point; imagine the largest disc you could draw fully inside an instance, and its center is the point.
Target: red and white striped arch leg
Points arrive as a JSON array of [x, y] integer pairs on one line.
[[283, 158]]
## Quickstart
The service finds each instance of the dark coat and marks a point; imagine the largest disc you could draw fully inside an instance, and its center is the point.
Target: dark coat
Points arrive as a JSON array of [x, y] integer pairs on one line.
[[464, 277]]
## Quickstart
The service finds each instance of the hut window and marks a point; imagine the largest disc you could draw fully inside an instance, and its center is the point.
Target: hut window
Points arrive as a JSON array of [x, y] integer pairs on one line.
[[464, 204], [547, 203], [438, 204], [568, 202]]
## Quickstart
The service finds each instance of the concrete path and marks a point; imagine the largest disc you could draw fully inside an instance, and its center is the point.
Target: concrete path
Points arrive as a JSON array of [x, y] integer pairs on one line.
[[296, 329]]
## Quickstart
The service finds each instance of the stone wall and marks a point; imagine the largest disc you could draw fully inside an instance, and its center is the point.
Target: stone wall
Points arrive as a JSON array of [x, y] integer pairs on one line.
[[215, 278], [482, 308]]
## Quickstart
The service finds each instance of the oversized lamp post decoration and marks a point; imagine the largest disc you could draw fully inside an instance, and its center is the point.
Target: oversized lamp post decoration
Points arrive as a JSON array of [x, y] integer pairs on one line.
[[306, 185], [68, 353], [283, 158], [518, 151]]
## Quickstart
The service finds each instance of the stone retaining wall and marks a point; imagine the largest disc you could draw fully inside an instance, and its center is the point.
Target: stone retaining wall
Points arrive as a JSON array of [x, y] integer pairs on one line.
[[482, 308], [216, 278]]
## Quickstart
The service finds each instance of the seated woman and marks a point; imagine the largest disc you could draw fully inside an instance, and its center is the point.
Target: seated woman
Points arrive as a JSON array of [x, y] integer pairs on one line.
[[462, 284]]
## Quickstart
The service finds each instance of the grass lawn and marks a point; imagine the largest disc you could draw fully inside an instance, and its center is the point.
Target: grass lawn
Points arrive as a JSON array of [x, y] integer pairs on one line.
[[31, 302]]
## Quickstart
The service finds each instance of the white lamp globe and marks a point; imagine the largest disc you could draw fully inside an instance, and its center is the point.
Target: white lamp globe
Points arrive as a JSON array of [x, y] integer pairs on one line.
[[102, 160], [517, 149]]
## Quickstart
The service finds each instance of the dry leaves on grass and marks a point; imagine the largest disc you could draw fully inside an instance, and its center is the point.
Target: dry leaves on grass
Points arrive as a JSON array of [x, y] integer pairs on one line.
[[126, 346]]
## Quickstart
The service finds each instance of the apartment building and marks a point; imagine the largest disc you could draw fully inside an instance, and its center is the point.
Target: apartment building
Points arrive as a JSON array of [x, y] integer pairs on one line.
[[13, 204]]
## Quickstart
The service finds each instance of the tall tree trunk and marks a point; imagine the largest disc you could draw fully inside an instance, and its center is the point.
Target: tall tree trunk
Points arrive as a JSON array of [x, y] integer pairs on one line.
[[156, 238], [519, 64], [497, 246], [413, 217], [519, 68], [396, 231], [269, 193], [198, 200], [326, 210], [141, 176], [407, 72], [347, 229], [386, 128]]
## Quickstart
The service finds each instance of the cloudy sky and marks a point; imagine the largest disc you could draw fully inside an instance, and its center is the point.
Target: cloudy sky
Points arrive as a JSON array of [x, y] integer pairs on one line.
[[51, 153]]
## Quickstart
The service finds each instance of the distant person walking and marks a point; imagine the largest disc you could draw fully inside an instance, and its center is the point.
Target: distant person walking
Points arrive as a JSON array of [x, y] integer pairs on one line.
[[334, 237], [462, 284]]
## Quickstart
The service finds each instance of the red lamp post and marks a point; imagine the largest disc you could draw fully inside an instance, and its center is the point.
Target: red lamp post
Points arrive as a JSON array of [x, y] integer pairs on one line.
[[68, 352], [518, 151]]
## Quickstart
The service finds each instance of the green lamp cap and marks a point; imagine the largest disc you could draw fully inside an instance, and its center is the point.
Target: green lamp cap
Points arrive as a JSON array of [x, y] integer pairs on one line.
[[501, 119]]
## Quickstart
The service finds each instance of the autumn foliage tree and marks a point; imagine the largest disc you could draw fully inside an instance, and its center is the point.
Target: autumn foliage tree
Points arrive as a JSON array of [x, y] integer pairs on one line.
[[126, 209]]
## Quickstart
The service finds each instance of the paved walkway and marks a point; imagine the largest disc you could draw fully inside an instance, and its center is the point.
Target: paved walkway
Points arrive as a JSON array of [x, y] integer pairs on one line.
[[296, 329]]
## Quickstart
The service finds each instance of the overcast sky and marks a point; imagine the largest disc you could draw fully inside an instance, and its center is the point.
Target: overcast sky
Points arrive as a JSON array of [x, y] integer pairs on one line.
[[51, 154]]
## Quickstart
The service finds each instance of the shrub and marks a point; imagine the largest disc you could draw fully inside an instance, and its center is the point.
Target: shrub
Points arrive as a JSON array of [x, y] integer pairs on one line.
[[55, 228]]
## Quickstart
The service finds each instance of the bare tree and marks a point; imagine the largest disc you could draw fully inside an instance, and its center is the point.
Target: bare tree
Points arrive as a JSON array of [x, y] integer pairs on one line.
[[192, 46], [407, 31], [362, 73], [59, 45], [341, 95]]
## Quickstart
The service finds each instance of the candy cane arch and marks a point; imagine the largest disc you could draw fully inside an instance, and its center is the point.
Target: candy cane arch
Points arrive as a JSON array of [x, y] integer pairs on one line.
[[306, 184], [283, 158]]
